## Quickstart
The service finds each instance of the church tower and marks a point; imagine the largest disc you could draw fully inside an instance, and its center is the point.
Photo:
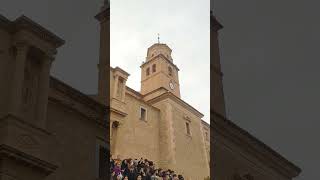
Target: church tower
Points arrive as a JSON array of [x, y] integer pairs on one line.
[[104, 66], [159, 71], [217, 75]]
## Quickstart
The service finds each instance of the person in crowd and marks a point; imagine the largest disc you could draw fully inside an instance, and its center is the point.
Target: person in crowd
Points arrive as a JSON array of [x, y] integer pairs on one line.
[[117, 169], [139, 177], [175, 177], [112, 175], [142, 169], [119, 177], [180, 177]]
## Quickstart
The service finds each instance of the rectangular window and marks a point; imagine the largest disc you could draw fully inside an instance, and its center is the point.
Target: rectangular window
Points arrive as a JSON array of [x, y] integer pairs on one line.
[[148, 71], [154, 68], [188, 128], [143, 113]]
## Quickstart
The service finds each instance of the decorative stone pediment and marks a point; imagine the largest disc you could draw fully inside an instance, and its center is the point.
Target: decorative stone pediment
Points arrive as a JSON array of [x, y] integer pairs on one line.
[[28, 141]]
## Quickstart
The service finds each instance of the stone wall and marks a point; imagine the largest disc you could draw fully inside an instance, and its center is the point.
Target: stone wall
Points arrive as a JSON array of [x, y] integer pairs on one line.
[[137, 138], [188, 150]]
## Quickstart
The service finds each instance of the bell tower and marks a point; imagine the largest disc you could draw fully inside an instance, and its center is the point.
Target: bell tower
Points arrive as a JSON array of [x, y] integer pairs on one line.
[[159, 71]]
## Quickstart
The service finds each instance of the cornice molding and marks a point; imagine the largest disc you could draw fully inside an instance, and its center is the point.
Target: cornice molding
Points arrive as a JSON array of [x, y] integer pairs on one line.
[[24, 23], [120, 70], [164, 57], [5, 23], [221, 125], [158, 89], [116, 111], [134, 91], [18, 119], [78, 101], [176, 99], [14, 154]]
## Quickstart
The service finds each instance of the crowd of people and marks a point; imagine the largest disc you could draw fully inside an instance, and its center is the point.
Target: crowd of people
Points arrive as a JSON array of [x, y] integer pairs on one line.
[[143, 169]]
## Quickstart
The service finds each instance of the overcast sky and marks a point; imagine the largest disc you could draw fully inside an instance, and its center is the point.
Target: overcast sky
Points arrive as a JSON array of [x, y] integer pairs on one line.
[[134, 27], [183, 25], [270, 60]]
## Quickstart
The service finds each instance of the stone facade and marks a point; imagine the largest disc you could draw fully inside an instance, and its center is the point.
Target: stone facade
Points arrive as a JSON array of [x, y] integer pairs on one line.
[[48, 130], [168, 125]]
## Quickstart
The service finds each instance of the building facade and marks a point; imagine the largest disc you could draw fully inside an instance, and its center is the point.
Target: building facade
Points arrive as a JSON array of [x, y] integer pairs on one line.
[[156, 123], [48, 130], [51, 131], [237, 155]]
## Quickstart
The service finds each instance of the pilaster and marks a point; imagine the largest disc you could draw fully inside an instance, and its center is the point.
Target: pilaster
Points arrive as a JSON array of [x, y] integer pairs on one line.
[[44, 89], [18, 76], [166, 144]]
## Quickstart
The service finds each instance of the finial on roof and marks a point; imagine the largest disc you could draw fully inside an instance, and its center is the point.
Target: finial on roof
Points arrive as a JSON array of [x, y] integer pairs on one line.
[[158, 38]]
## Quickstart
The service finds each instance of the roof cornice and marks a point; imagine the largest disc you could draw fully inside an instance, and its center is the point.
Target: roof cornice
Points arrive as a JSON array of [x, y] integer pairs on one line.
[[233, 132], [34, 162], [164, 57], [176, 99], [78, 101], [119, 69], [24, 23]]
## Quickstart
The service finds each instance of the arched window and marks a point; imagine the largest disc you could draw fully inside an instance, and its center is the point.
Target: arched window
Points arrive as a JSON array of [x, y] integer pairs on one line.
[[148, 71], [170, 71], [154, 68]]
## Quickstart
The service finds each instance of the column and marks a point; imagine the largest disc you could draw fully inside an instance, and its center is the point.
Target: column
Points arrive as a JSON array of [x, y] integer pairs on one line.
[[42, 101], [18, 77]]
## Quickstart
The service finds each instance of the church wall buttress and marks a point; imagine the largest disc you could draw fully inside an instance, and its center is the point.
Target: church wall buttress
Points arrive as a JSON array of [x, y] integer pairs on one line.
[[166, 135]]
